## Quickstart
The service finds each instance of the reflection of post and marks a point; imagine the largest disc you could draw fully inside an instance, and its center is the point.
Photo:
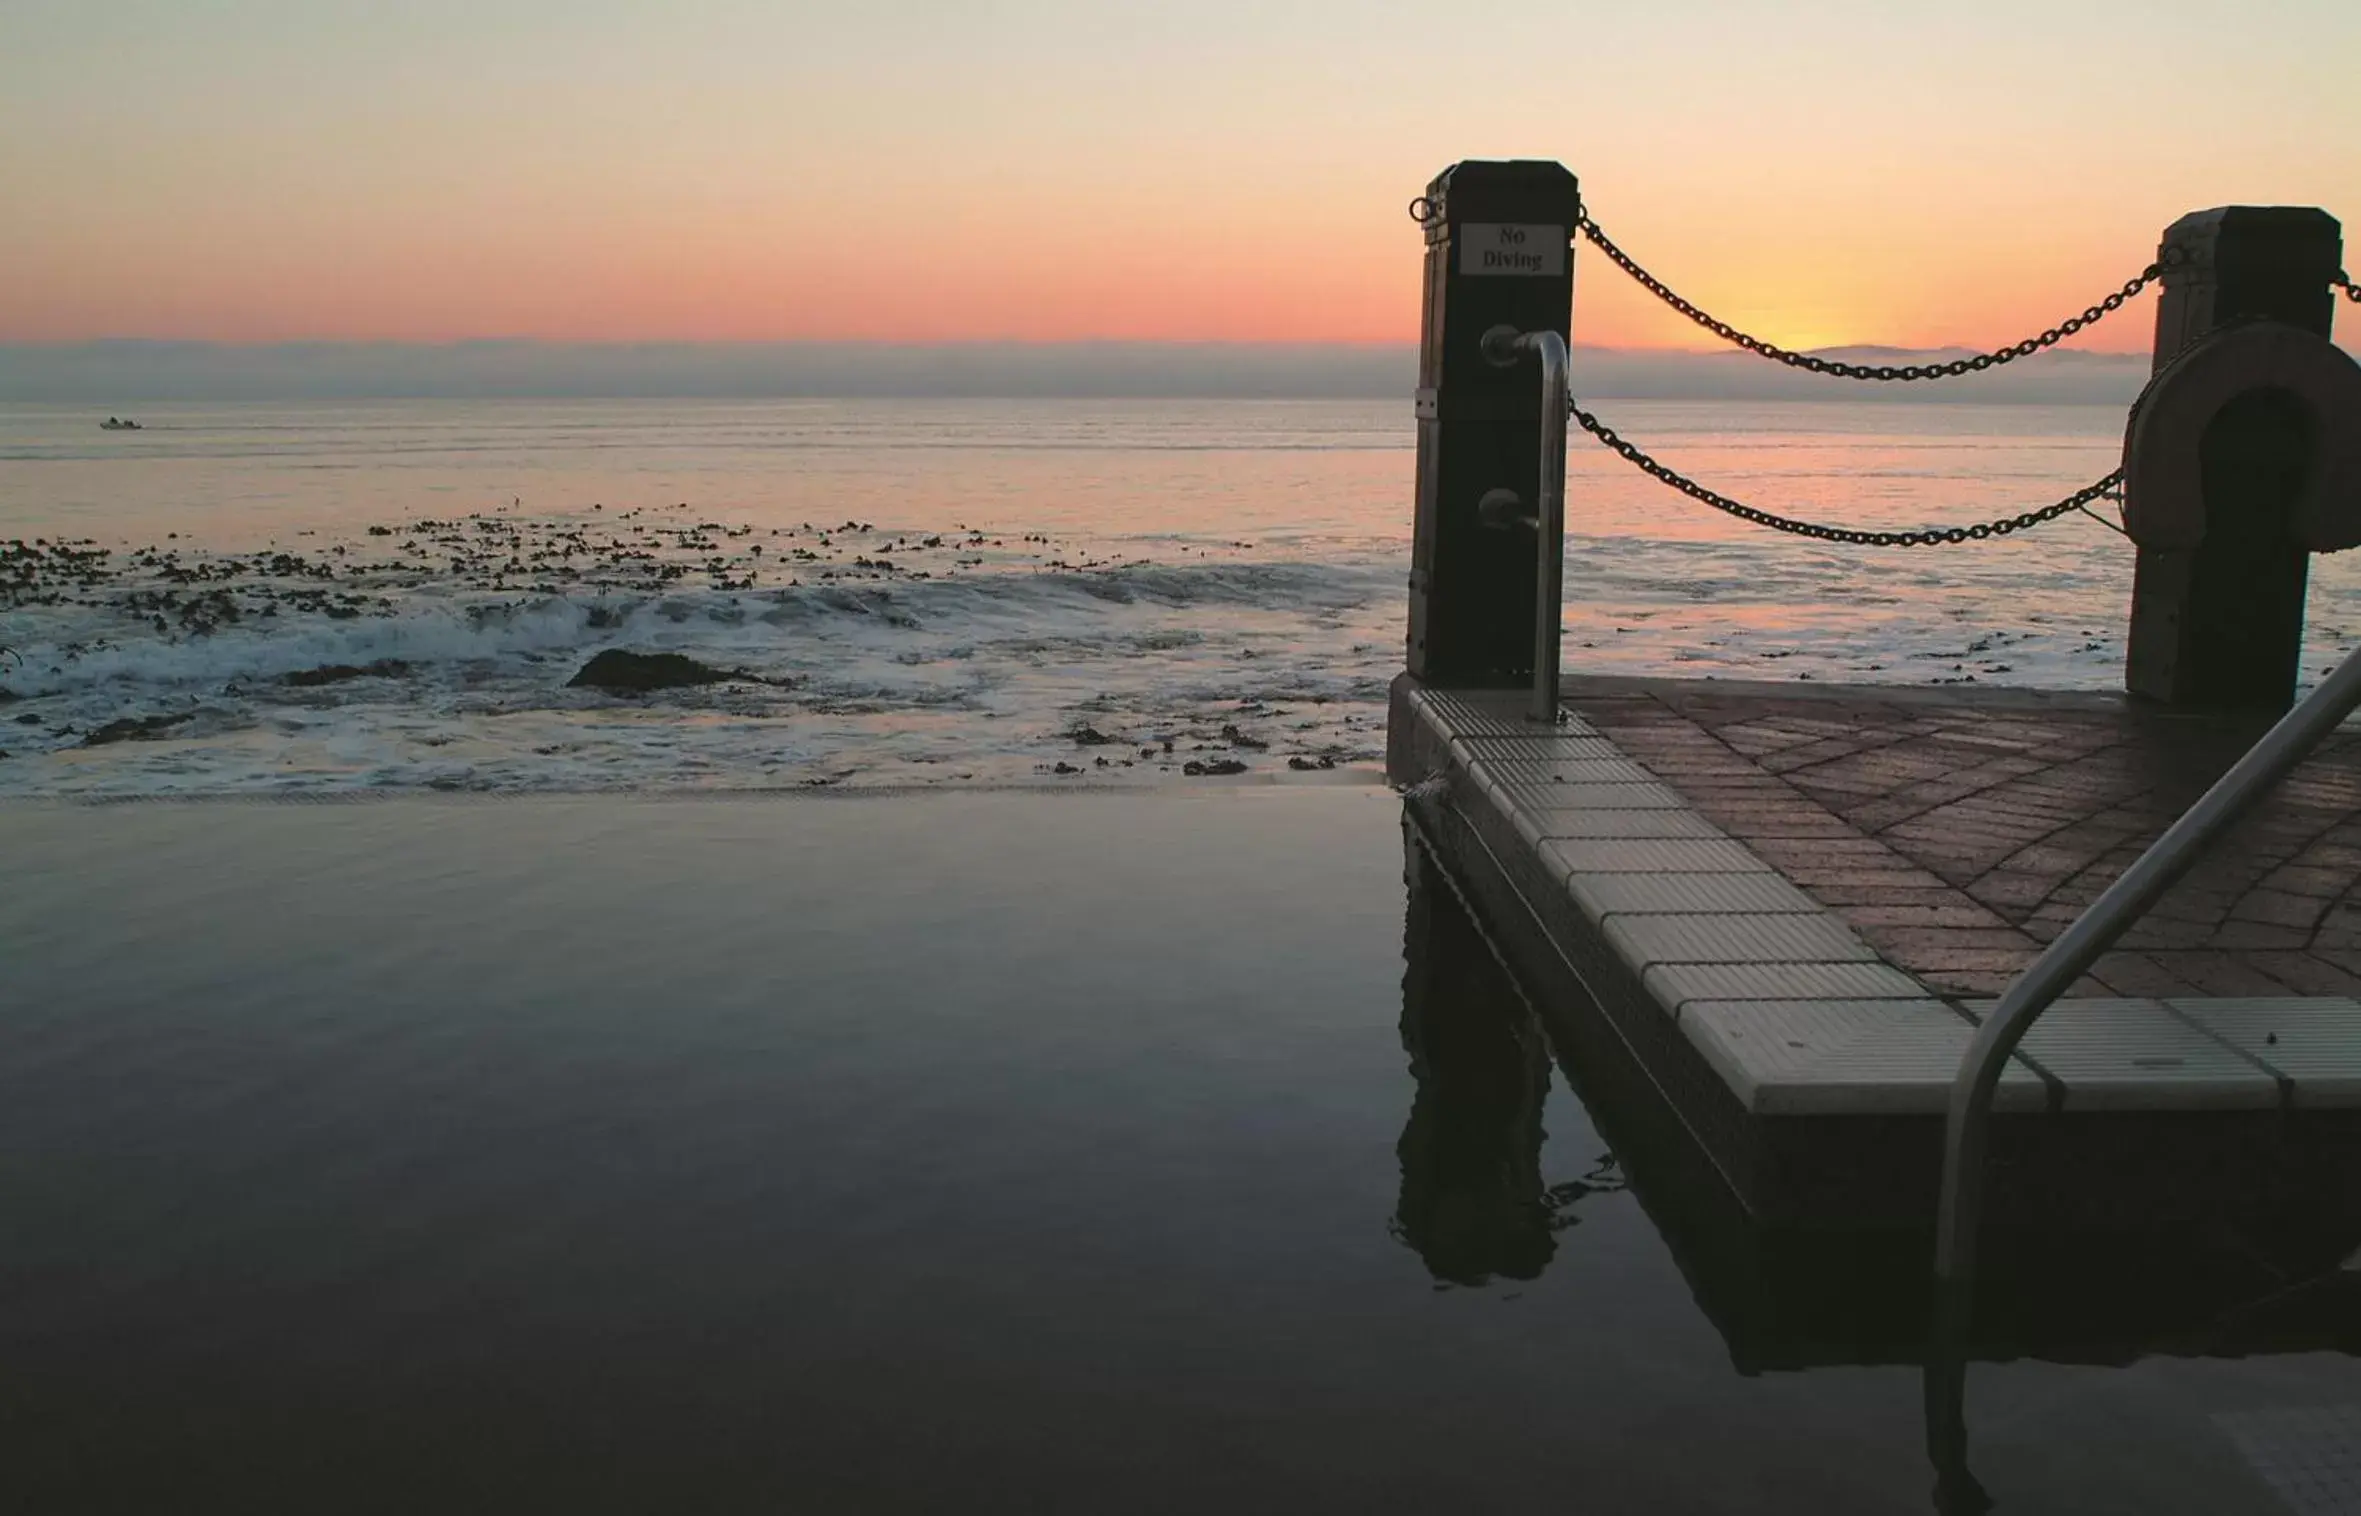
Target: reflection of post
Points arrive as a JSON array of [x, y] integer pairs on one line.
[[1472, 1202]]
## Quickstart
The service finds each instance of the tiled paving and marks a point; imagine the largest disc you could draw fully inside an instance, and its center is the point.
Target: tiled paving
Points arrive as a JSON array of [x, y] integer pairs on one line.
[[1779, 996], [1814, 891], [1959, 830], [1793, 909]]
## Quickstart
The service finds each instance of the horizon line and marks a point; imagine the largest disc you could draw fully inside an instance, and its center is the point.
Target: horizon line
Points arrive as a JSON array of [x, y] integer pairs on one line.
[[872, 344], [118, 371]]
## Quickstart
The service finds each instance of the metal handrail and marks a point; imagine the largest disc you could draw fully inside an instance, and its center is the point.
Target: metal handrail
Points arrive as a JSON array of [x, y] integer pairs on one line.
[[1967, 1123], [1503, 346]]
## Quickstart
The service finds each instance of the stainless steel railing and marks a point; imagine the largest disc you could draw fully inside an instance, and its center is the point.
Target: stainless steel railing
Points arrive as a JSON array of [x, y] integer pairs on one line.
[[1504, 346], [1968, 1121], [1967, 1124]]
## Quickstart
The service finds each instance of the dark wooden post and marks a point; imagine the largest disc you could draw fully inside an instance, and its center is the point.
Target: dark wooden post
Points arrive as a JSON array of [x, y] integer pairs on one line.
[[2220, 624], [1498, 252]]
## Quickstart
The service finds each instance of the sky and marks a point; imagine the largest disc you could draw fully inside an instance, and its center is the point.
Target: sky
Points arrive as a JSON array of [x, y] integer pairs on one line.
[[1821, 172]]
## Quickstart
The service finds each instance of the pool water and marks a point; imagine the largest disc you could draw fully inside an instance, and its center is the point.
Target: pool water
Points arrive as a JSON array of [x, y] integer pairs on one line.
[[1127, 1152]]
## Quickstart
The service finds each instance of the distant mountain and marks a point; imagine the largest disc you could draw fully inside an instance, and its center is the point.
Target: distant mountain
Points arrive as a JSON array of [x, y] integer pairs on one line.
[[1894, 355], [2055, 377], [114, 374]]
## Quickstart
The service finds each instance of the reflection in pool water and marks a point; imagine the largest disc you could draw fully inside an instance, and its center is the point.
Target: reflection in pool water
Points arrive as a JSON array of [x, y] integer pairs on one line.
[[1474, 1205], [945, 1152]]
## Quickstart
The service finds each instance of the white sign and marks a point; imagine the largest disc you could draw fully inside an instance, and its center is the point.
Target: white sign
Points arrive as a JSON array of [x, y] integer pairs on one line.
[[1512, 248]]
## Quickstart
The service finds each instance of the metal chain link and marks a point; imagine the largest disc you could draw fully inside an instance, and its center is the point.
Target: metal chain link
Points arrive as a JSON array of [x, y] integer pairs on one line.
[[1950, 370], [1932, 536], [1423, 211]]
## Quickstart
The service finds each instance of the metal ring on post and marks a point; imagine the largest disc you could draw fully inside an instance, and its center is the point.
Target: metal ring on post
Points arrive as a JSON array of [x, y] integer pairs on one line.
[[2163, 482], [1503, 346]]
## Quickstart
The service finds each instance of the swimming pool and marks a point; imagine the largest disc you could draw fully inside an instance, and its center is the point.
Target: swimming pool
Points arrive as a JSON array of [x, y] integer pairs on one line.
[[1141, 1152]]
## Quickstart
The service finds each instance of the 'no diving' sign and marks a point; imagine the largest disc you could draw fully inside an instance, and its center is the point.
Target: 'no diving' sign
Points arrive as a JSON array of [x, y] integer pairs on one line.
[[1513, 249]]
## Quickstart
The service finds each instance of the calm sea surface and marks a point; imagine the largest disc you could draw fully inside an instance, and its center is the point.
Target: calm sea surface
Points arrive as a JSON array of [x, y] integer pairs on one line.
[[1157, 1152], [943, 593]]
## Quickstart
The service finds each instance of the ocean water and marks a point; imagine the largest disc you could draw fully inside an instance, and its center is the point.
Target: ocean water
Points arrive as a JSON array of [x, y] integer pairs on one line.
[[932, 593]]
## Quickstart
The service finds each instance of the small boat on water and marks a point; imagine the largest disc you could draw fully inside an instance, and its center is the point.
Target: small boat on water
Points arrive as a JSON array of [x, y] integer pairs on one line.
[[118, 424]]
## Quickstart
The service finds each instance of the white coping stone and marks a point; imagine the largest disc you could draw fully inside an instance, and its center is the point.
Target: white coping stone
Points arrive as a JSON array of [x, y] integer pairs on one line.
[[1571, 771], [2313, 1041], [1637, 795], [1500, 714], [1542, 748], [1469, 713], [1647, 940], [1457, 717], [1526, 823], [2135, 1055], [1473, 776], [1602, 855], [1604, 895], [1588, 824], [1844, 1057], [2310, 1455], [1677, 984]]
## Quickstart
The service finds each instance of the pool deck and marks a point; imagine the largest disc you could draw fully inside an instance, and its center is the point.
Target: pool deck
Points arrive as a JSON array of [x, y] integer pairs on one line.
[[1793, 903]]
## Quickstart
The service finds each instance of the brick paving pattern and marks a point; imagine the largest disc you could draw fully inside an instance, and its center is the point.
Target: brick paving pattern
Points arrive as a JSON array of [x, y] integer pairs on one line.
[[1960, 830]]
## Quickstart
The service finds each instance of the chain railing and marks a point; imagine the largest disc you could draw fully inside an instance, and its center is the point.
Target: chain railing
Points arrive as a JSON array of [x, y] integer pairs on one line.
[[2081, 500], [1883, 373], [1936, 536], [1933, 536]]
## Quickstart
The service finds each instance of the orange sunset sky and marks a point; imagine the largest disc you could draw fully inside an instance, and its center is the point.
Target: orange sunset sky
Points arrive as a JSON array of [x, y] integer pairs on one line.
[[1823, 173]]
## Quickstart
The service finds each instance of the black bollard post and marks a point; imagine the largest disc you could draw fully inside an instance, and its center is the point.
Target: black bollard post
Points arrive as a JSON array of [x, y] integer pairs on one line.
[[1498, 253], [2218, 624]]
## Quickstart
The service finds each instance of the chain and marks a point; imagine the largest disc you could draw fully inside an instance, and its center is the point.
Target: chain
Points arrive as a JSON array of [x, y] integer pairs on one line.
[[1950, 370], [1424, 211], [1932, 536]]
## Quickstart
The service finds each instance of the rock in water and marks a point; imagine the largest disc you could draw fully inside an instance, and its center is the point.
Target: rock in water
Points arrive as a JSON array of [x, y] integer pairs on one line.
[[621, 673], [135, 729], [338, 673]]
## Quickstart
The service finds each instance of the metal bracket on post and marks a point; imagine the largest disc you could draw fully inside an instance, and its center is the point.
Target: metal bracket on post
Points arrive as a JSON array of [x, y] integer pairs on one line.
[[1499, 252], [1505, 347]]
